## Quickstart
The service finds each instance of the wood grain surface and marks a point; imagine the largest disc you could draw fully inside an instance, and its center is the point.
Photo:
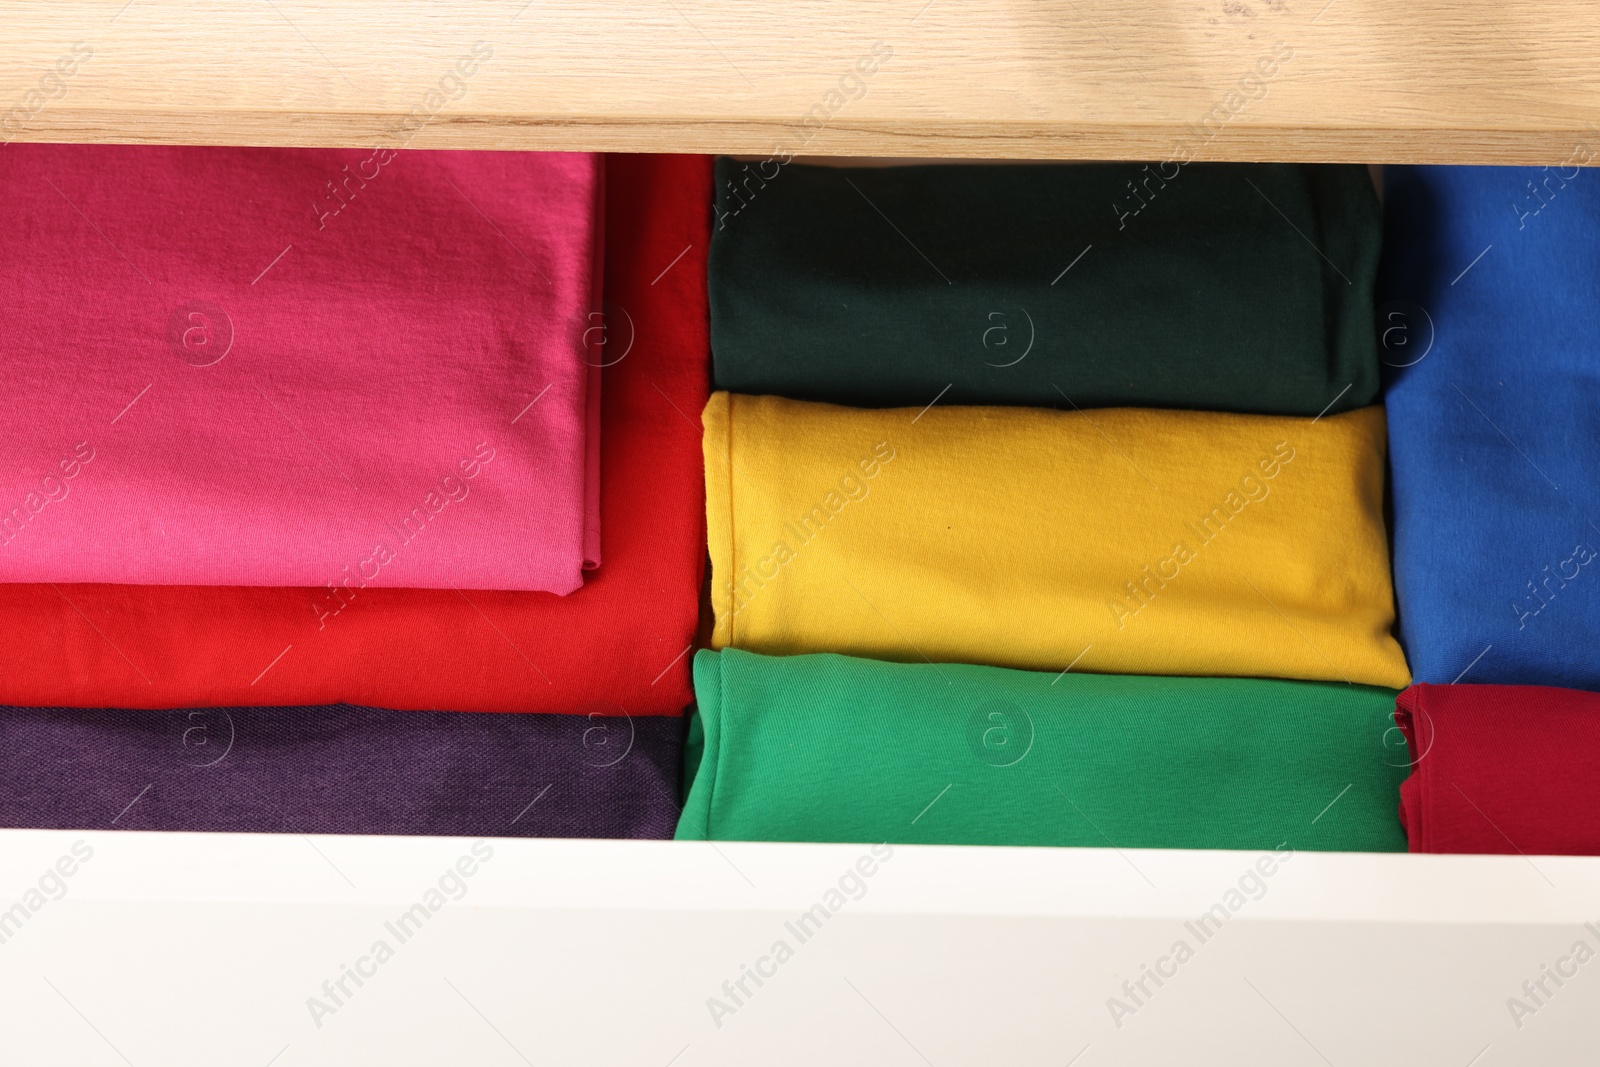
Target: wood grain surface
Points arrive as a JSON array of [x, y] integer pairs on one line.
[[1490, 81]]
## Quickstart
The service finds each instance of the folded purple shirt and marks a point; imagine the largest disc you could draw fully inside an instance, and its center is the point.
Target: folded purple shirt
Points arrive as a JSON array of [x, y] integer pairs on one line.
[[340, 770]]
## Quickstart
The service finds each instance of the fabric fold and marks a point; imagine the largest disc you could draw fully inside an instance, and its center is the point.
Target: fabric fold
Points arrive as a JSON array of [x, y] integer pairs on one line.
[[339, 770], [830, 748], [1122, 541], [593, 348], [1491, 319], [1216, 286], [617, 645], [1501, 769], [310, 367]]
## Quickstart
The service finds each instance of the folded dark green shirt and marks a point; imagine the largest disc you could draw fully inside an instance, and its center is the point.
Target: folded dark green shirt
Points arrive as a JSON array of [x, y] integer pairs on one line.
[[1221, 286], [831, 748]]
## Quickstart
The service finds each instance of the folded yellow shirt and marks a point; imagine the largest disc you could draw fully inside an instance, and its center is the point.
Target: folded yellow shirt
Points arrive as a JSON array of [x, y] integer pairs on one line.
[[1118, 540]]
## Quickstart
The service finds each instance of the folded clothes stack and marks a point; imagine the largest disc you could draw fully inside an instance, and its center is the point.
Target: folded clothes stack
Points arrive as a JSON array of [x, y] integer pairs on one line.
[[1173, 540], [373, 492], [1492, 291], [415, 430]]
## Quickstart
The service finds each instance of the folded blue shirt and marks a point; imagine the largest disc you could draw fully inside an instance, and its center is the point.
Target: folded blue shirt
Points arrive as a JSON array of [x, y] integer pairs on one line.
[[1489, 322]]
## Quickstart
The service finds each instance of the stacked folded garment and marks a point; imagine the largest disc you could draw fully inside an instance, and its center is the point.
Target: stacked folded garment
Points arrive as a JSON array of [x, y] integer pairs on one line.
[[953, 754], [1501, 768], [340, 770], [616, 645], [1228, 287], [1125, 540], [297, 367], [1493, 280]]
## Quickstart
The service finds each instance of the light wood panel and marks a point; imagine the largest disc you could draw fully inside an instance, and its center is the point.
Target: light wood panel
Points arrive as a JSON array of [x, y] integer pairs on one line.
[[1427, 80]]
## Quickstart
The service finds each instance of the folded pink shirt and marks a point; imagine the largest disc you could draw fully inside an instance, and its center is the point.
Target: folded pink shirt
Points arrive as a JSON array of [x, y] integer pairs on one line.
[[299, 367]]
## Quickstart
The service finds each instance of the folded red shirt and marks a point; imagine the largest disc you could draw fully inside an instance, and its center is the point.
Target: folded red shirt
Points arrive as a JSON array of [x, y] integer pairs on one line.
[[1501, 768], [617, 645]]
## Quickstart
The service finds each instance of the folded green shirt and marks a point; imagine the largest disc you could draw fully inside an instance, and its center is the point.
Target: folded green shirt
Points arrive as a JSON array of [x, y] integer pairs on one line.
[[1220, 286], [831, 748]]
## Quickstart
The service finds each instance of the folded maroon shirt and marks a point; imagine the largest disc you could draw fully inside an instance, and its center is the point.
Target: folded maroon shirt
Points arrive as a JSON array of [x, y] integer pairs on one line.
[[1501, 768]]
